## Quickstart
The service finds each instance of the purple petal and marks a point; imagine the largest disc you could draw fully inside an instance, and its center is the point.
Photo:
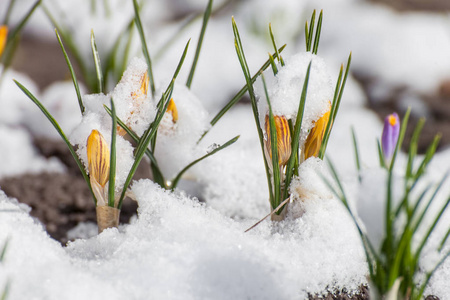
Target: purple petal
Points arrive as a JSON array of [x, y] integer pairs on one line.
[[390, 134]]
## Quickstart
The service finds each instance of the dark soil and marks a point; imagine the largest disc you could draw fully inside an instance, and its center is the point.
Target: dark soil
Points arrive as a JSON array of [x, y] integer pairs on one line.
[[59, 201]]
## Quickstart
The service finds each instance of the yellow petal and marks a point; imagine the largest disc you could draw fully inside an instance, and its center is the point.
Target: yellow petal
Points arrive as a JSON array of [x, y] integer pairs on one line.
[[172, 109], [283, 138], [98, 158], [3, 37], [315, 137], [143, 90]]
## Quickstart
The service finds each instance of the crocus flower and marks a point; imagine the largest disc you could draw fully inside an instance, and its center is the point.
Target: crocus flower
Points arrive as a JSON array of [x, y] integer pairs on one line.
[[98, 164], [3, 37], [283, 139], [390, 134], [315, 136], [172, 109]]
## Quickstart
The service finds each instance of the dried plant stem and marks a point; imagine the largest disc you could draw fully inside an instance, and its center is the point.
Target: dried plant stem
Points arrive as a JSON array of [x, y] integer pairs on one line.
[[107, 217]]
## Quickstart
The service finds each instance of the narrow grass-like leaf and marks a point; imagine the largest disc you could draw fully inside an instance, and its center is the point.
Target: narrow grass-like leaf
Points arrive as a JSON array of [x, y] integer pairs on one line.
[[3, 252], [180, 174], [318, 30], [61, 133], [72, 73], [296, 135], [355, 148], [428, 156], [428, 277], [436, 220], [200, 42], [381, 155], [444, 240], [309, 36], [339, 91], [144, 46], [241, 93], [413, 147], [274, 66], [8, 12], [427, 206], [280, 59], [276, 200], [401, 136], [112, 164], [5, 292], [98, 66], [251, 92]]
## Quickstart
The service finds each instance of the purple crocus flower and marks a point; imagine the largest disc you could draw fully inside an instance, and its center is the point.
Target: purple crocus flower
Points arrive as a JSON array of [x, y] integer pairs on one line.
[[389, 137]]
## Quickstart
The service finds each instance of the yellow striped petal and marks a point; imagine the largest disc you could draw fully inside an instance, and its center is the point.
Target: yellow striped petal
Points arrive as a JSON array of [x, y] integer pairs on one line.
[[98, 158], [283, 138], [3, 37], [315, 137], [172, 109]]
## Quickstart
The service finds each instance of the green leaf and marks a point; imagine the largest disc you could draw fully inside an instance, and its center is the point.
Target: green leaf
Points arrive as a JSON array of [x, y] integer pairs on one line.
[[355, 148], [112, 164], [61, 133], [240, 94], [277, 53], [339, 91], [3, 252], [8, 12], [144, 46], [318, 30], [72, 73], [436, 219], [98, 67], [180, 174], [413, 147], [296, 135], [200, 41], [310, 32], [251, 92], [381, 155], [272, 63], [276, 199]]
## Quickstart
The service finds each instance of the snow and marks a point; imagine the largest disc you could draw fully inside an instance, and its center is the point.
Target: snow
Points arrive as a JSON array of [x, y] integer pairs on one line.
[[180, 247]]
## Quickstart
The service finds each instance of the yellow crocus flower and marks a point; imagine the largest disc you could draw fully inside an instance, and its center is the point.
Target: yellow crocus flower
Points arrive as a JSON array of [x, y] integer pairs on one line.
[[315, 137], [172, 109], [98, 164], [3, 37], [283, 139]]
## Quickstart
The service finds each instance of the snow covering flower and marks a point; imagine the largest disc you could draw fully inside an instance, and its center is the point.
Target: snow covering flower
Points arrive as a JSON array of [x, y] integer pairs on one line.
[[283, 139], [98, 164], [3, 37], [390, 134], [315, 137], [137, 98]]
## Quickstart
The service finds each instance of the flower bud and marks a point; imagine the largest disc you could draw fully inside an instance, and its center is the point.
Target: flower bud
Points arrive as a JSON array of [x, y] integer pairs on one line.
[[390, 134], [98, 164], [3, 37], [315, 136], [283, 139]]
